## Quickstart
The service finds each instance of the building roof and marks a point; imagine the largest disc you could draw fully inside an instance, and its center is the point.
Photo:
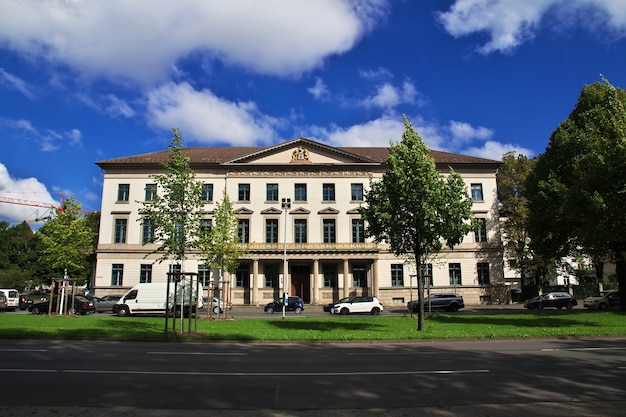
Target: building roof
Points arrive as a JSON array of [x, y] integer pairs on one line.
[[226, 155]]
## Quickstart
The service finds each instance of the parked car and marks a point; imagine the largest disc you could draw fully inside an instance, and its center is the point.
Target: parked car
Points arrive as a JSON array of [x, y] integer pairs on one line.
[[3, 301], [105, 304], [25, 301], [447, 301], [13, 298], [551, 299], [328, 308], [82, 306], [370, 305], [294, 304], [603, 300], [217, 304]]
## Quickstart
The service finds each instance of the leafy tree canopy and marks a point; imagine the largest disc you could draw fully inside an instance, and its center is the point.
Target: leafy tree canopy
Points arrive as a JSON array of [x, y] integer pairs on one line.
[[414, 208]]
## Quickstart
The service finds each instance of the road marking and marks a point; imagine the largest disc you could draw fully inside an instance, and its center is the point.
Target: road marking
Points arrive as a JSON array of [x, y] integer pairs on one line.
[[582, 349], [29, 370], [265, 374], [23, 350], [197, 353]]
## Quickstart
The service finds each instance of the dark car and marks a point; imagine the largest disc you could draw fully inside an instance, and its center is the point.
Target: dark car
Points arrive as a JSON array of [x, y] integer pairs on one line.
[[25, 301], [551, 299], [328, 308], [105, 304], [82, 305], [447, 301], [293, 304]]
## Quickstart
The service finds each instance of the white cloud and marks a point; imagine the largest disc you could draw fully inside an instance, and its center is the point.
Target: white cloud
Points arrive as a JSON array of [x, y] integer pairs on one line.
[[47, 139], [319, 90], [143, 39], [463, 132], [29, 189], [387, 96], [16, 83], [118, 107], [510, 23], [208, 119], [495, 150]]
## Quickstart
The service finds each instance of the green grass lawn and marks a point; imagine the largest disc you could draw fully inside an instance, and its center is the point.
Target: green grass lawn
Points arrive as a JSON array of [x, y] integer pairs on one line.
[[544, 324]]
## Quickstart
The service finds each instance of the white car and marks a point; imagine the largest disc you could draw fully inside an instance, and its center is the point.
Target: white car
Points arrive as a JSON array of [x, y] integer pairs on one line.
[[370, 305]]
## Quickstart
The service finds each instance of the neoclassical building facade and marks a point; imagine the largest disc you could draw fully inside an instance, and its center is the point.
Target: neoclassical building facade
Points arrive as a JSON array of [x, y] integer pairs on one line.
[[319, 238]]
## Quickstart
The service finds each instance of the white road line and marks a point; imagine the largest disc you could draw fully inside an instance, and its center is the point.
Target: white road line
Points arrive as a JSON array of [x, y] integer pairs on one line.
[[29, 370], [582, 349], [23, 350], [197, 353], [265, 374]]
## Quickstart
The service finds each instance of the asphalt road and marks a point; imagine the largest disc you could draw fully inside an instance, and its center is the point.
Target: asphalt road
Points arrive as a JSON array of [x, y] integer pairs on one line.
[[565, 377]]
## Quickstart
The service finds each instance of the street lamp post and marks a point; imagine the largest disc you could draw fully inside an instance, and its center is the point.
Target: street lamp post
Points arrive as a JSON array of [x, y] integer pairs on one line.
[[286, 205]]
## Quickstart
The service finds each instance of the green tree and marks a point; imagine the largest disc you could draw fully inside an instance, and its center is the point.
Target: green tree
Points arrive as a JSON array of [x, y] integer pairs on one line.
[[577, 189], [414, 208], [220, 247], [16, 255], [514, 214], [177, 208], [67, 241]]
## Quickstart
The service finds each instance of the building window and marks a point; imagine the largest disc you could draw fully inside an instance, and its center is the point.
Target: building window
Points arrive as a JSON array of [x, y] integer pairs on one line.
[[271, 192], [207, 192], [299, 231], [243, 230], [123, 192], [120, 231], [205, 226], [242, 277], [483, 273], [151, 190], [117, 275], [330, 275], [358, 231], [244, 192], [356, 193], [480, 231], [427, 271], [271, 230], [397, 275], [359, 276], [477, 192], [204, 275], [271, 276], [328, 230], [454, 270], [145, 273], [328, 192], [299, 192], [174, 271], [147, 231]]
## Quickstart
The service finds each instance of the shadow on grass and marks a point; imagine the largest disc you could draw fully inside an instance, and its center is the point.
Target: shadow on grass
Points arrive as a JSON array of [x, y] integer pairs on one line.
[[539, 319], [325, 325]]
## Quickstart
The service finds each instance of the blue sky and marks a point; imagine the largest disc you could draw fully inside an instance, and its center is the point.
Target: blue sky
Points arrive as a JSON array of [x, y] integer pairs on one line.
[[87, 80]]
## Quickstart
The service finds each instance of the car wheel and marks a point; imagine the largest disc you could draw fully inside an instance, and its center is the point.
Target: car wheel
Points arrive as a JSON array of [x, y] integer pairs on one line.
[[569, 305], [454, 307], [35, 310], [376, 311], [83, 312], [270, 310], [603, 306], [123, 311], [298, 310], [344, 311], [539, 306], [216, 310]]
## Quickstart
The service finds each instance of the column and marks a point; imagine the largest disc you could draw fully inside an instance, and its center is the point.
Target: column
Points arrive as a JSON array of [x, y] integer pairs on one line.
[[315, 287], [346, 279], [254, 298], [375, 278]]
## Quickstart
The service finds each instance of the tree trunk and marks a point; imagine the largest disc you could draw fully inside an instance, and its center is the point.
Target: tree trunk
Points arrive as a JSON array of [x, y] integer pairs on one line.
[[620, 271], [420, 293]]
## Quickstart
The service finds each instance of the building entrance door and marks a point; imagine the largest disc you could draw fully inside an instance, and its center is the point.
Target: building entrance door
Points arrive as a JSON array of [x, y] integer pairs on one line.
[[301, 282]]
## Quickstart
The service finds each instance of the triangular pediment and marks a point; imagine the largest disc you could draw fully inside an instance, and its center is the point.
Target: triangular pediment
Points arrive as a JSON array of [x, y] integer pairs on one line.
[[300, 210], [328, 210], [353, 211], [300, 151], [243, 210], [271, 210]]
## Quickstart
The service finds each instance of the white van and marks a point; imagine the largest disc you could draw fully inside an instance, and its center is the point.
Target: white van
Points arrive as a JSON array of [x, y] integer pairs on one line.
[[13, 299], [150, 298]]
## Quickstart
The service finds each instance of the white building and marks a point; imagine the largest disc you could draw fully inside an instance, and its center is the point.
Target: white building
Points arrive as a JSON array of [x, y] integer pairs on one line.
[[327, 255]]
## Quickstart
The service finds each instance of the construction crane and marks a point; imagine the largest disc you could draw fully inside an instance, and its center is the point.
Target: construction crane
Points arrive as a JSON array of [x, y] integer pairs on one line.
[[33, 203]]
